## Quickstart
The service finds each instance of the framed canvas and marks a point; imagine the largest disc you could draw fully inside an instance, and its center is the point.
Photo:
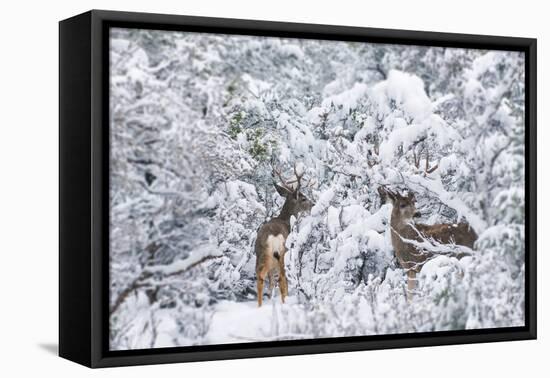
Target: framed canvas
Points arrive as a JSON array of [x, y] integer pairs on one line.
[[234, 188]]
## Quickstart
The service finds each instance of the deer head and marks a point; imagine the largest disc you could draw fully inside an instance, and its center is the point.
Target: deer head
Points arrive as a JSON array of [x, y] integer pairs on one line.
[[404, 230], [295, 201], [404, 207]]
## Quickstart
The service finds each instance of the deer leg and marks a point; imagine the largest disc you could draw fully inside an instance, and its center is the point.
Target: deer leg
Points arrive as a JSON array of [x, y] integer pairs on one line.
[[271, 283], [411, 283], [261, 279], [283, 284], [260, 284]]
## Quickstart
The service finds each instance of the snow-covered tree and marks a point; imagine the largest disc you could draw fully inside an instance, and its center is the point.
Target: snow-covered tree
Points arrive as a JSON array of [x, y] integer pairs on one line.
[[197, 123]]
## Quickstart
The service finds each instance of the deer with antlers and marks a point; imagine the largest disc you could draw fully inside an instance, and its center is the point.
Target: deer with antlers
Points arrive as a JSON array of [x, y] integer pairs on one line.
[[270, 242], [411, 240]]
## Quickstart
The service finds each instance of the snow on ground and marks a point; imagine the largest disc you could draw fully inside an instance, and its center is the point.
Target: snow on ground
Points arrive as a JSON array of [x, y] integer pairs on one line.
[[237, 322]]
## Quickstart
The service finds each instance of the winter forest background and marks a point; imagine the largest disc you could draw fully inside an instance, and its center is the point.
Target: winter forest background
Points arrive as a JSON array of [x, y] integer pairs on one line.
[[199, 120]]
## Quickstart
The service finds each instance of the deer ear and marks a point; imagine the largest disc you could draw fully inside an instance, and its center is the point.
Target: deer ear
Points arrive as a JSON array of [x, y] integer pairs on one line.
[[282, 191], [410, 196], [385, 194]]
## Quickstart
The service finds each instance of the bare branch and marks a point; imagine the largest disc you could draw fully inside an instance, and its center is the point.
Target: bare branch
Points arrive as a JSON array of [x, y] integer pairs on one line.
[[432, 169], [427, 160], [136, 283], [139, 281]]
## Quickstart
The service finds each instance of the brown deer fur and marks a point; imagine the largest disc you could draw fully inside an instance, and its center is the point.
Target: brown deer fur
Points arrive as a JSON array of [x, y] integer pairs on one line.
[[270, 242], [408, 255]]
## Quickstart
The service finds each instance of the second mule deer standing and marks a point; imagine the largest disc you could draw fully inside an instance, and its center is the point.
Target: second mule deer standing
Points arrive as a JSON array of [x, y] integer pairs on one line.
[[270, 242], [407, 237]]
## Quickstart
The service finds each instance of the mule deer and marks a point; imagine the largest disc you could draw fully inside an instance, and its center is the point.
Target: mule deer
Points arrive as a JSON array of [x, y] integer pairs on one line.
[[408, 237], [270, 242]]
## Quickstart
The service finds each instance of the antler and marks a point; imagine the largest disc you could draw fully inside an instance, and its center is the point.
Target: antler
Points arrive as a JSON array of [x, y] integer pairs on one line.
[[383, 191], [386, 193], [429, 170], [311, 183], [286, 183], [298, 177], [283, 182]]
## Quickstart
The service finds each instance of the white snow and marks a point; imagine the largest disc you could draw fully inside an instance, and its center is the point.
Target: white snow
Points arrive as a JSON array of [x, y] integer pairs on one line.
[[292, 50], [238, 322], [348, 98], [333, 220], [406, 90], [199, 120]]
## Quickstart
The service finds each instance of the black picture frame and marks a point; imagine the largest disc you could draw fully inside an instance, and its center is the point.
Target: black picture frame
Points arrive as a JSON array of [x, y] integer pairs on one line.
[[83, 194]]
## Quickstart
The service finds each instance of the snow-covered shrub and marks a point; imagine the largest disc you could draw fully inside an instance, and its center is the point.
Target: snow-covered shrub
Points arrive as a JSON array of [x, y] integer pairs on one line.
[[198, 121]]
